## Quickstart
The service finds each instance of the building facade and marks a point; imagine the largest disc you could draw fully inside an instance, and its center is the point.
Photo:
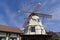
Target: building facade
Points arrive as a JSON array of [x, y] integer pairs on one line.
[[13, 33], [9, 33]]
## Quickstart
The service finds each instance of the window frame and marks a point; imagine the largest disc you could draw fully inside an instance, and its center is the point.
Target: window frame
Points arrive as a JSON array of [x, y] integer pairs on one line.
[[33, 29]]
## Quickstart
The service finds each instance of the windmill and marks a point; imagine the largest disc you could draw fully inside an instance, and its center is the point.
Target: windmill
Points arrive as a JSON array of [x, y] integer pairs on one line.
[[32, 25]]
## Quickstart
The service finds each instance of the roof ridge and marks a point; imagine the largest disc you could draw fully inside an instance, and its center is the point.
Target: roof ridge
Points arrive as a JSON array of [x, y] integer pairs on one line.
[[9, 28]]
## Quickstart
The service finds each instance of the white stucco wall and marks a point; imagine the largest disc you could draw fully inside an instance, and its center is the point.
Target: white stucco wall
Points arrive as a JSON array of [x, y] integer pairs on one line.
[[39, 29], [8, 35]]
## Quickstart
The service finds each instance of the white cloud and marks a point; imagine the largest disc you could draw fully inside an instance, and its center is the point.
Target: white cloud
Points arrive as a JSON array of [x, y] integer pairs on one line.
[[11, 15], [56, 13], [53, 1], [55, 21]]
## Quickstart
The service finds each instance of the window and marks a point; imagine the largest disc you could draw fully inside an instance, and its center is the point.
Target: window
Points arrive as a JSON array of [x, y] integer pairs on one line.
[[13, 38], [2, 38], [38, 20], [32, 29]]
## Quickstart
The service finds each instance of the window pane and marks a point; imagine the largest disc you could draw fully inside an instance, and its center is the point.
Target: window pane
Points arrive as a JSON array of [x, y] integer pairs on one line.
[[13, 38], [3, 38], [32, 29]]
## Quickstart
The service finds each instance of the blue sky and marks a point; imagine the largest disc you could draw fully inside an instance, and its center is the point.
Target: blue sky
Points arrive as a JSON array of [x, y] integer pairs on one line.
[[10, 16]]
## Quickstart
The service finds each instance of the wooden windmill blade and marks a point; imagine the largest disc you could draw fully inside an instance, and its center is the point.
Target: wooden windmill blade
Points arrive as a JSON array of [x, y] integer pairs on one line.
[[26, 22], [44, 15], [34, 11], [36, 7], [26, 11]]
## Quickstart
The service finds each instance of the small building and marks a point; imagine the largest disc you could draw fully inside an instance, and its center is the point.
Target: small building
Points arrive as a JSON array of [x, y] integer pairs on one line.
[[9, 33]]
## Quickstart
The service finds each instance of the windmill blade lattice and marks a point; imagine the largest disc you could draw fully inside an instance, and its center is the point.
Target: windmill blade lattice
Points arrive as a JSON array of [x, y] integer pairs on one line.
[[44, 15], [36, 7]]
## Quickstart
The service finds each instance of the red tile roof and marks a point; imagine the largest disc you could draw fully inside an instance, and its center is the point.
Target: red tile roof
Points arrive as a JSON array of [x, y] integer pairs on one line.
[[9, 29]]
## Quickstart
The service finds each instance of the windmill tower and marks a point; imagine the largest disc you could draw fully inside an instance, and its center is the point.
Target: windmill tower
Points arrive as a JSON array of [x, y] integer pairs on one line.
[[33, 26]]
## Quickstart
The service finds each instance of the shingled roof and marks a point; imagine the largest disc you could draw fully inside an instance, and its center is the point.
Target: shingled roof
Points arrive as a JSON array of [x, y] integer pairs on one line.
[[9, 29]]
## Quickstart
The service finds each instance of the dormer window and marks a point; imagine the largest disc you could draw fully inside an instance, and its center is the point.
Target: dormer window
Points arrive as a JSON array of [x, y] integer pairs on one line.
[[35, 20], [32, 29]]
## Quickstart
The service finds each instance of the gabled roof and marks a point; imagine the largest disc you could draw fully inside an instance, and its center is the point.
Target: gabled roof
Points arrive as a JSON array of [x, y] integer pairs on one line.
[[9, 29]]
